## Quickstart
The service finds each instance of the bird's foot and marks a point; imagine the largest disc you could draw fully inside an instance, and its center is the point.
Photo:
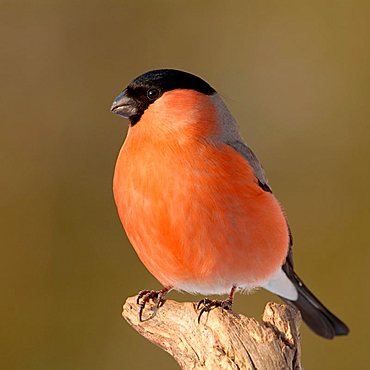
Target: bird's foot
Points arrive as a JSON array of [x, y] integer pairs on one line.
[[144, 296], [206, 305]]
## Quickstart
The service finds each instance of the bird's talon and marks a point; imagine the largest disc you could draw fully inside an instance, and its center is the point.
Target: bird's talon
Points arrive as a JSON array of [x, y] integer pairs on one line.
[[209, 305], [141, 294], [144, 296], [203, 302]]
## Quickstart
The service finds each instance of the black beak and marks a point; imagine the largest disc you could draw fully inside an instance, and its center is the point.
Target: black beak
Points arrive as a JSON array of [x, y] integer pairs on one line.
[[124, 105]]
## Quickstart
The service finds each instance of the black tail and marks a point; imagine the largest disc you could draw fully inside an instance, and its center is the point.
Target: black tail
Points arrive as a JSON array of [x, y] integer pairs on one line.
[[313, 312]]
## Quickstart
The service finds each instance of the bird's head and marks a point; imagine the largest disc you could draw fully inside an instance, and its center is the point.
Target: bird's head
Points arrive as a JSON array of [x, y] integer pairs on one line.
[[169, 99]]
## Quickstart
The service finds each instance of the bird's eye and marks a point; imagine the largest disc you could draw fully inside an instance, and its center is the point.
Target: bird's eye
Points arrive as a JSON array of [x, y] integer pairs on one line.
[[153, 94]]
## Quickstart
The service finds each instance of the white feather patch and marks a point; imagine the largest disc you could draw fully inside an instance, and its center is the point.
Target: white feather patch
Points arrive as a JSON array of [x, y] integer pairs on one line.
[[280, 284], [215, 289]]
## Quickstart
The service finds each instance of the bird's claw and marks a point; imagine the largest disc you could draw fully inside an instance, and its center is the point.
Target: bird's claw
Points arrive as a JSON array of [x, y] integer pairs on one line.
[[144, 296], [209, 305]]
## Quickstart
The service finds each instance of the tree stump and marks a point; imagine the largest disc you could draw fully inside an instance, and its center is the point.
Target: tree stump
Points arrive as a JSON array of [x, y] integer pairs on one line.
[[222, 339]]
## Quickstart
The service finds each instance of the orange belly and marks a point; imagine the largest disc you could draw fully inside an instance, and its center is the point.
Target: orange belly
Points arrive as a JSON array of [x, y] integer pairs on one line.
[[196, 216]]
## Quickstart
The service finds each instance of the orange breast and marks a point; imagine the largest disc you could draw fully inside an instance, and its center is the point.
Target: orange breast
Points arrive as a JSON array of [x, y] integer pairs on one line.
[[194, 212]]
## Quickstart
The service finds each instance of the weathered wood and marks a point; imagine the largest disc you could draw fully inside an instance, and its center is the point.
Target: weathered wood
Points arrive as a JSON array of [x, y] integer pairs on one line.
[[222, 340]]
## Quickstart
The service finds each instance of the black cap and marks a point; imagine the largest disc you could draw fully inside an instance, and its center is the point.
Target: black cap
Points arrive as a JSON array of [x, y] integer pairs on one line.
[[148, 87]]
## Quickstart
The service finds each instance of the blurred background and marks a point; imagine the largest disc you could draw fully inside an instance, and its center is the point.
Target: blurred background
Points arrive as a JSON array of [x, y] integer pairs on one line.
[[296, 75]]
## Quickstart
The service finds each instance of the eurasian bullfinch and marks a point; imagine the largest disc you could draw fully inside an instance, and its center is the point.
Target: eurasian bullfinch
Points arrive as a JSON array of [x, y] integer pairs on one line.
[[195, 202]]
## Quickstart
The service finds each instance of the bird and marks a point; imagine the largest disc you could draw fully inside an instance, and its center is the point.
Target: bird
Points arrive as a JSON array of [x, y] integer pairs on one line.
[[195, 202]]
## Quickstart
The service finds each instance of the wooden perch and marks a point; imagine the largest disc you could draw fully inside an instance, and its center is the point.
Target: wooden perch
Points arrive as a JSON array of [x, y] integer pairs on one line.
[[222, 340]]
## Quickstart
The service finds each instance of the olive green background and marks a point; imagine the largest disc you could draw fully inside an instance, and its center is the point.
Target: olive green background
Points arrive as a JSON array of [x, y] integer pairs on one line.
[[295, 75]]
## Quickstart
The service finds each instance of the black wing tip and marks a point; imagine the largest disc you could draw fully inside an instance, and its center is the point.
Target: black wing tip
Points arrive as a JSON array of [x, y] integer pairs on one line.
[[314, 313], [334, 329], [319, 319], [264, 186], [341, 328]]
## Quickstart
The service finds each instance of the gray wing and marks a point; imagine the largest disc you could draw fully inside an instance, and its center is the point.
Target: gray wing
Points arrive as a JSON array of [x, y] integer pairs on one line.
[[248, 154]]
